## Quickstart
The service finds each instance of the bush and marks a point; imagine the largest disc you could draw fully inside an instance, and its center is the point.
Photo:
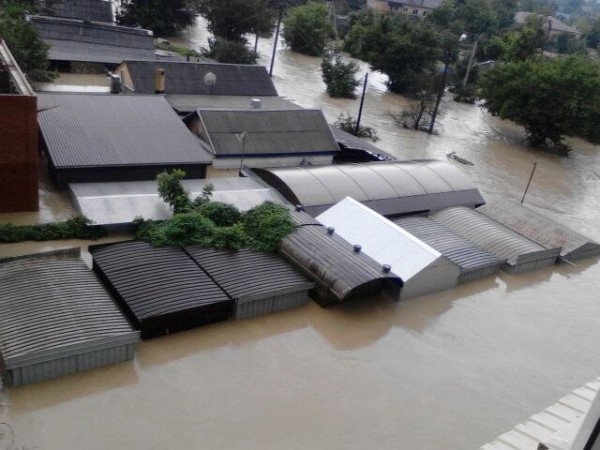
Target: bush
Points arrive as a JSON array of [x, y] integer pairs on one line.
[[229, 238], [188, 229], [307, 28], [347, 123], [74, 228], [222, 214], [338, 75], [231, 52], [266, 225]]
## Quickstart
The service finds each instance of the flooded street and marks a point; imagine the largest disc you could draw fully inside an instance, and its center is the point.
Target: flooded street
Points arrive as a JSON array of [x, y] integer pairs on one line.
[[446, 371]]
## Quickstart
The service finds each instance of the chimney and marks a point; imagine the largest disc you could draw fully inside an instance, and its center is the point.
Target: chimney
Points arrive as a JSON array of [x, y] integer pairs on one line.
[[255, 103], [159, 81]]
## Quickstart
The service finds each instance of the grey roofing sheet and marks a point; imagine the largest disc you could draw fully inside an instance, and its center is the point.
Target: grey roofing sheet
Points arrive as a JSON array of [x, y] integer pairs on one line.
[[155, 281], [53, 306], [105, 130], [457, 249], [389, 188], [381, 239], [187, 103], [491, 235], [247, 275], [541, 229], [94, 10], [353, 142], [269, 132], [328, 258], [121, 202], [188, 78], [93, 53]]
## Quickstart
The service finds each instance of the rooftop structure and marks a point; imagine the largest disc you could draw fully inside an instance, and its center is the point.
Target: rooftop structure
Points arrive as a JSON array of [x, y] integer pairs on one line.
[[56, 319], [417, 8], [189, 103], [91, 138], [91, 10], [389, 188]]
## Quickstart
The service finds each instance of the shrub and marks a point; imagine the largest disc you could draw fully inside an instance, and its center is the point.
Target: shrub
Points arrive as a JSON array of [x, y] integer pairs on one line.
[[266, 225], [222, 214], [74, 228]]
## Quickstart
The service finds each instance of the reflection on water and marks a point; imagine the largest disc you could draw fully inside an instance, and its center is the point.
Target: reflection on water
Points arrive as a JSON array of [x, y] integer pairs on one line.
[[449, 370]]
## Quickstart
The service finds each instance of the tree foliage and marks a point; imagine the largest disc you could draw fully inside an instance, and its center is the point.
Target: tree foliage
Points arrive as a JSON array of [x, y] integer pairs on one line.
[[74, 228], [339, 75], [30, 52], [230, 52], [307, 28], [469, 16], [549, 97], [347, 123], [160, 16]]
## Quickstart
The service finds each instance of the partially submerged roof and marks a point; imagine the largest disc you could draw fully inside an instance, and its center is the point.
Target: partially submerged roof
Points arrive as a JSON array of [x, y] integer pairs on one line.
[[495, 237], [246, 275], [118, 203], [268, 132], [379, 238], [330, 260], [191, 78], [389, 188], [154, 281], [85, 41], [541, 229], [187, 103], [352, 142], [468, 256], [52, 306], [115, 131]]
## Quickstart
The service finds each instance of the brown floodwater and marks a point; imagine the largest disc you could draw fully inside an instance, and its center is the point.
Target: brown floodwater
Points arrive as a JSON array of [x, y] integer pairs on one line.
[[446, 371]]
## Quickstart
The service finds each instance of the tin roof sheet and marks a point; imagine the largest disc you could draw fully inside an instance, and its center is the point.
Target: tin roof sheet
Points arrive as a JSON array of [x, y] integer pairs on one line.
[[92, 10], [104, 130], [188, 103], [155, 281], [53, 306], [379, 238], [247, 275]]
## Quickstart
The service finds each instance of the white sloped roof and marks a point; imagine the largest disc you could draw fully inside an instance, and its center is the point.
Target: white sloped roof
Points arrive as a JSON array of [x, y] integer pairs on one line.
[[379, 238]]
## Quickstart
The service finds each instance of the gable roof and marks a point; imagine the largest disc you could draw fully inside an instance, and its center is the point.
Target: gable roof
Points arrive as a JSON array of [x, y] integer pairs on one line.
[[188, 78], [268, 132], [551, 21], [96, 10], [105, 130], [81, 40], [379, 238], [389, 188]]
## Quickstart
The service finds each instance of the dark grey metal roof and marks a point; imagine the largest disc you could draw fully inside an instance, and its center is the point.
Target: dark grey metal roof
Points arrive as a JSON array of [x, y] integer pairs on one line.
[[247, 275], [94, 10], [329, 259], [121, 202], [269, 132], [493, 236], [187, 103], [78, 40], [352, 142], [188, 78], [109, 131], [389, 188], [457, 249], [154, 281], [53, 306], [541, 229]]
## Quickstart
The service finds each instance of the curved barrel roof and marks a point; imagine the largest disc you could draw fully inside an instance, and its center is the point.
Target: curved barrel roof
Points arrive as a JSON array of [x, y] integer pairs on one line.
[[389, 188]]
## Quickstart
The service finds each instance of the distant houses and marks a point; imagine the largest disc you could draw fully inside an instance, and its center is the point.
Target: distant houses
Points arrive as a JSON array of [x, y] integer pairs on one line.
[[416, 8], [552, 26]]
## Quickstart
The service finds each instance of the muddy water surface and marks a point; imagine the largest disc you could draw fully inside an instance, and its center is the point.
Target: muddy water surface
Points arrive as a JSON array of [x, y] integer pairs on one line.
[[451, 370]]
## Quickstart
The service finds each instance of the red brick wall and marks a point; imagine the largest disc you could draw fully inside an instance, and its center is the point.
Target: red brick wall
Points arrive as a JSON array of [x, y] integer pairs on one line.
[[18, 153]]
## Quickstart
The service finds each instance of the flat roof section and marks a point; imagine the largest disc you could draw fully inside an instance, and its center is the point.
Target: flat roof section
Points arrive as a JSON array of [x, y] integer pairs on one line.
[[54, 313], [160, 289]]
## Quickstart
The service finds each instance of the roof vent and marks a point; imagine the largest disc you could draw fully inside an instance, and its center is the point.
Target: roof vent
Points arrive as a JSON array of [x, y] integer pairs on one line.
[[387, 268], [255, 103], [357, 248], [116, 84], [299, 208], [330, 230]]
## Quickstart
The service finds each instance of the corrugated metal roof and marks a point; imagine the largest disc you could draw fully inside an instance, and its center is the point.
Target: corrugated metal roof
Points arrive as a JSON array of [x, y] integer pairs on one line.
[[121, 202], [248, 275], [491, 235], [555, 24], [104, 130], [188, 78], [457, 249], [353, 142], [95, 10], [379, 238], [541, 229], [187, 103], [329, 259], [155, 281], [268, 132], [389, 188], [53, 306], [79, 40]]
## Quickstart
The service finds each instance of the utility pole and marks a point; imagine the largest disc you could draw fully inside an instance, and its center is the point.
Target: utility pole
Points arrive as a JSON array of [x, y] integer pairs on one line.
[[362, 102], [471, 58], [529, 182], [281, 5], [447, 56]]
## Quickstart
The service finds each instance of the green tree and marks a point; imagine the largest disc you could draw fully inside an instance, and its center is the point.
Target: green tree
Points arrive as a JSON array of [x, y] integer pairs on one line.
[[519, 44], [160, 16], [172, 191], [266, 225], [549, 97], [30, 52], [347, 123], [307, 28], [230, 52], [339, 75]]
